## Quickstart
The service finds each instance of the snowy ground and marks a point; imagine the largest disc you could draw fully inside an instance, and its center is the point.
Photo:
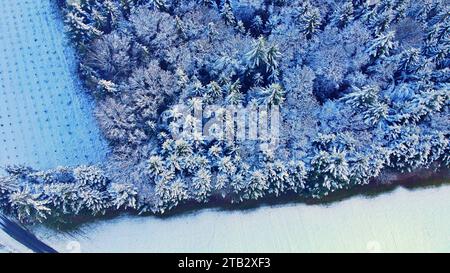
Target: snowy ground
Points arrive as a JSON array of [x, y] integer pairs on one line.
[[8, 245], [404, 220], [45, 119]]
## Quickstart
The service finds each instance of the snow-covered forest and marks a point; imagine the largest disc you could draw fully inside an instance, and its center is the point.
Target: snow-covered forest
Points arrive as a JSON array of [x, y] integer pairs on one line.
[[363, 88]]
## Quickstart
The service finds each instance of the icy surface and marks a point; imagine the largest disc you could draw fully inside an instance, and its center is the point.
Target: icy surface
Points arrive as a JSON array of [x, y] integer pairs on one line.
[[8, 245], [45, 118], [412, 221]]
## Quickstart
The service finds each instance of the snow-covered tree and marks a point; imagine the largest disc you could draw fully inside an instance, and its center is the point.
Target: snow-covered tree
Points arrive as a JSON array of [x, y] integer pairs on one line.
[[343, 15], [158, 4], [91, 176], [77, 24], [277, 176], [330, 172], [63, 197], [257, 185], [382, 45], [375, 113], [201, 185], [94, 201], [361, 98], [123, 196], [8, 185], [297, 176], [310, 22], [258, 54], [28, 206], [109, 56], [273, 94], [227, 13]]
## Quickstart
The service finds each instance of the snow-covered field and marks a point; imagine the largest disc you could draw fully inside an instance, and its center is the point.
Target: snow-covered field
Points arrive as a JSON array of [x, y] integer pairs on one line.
[[404, 220], [8, 245], [45, 118]]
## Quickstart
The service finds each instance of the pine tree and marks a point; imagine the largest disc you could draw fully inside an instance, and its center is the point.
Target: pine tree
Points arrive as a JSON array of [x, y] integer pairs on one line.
[[234, 95], [400, 9], [382, 22], [274, 94], [330, 172], [297, 175], [382, 45], [375, 113], [28, 206], [362, 98], [78, 27], [208, 3], [240, 27], [91, 176], [107, 87], [123, 196], [272, 57], [171, 193], [360, 170], [127, 6], [214, 92], [158, 4], [258, 54], [338, 166], [63, 197], [201, 185], [409, 61], [310, 22], [227, 13], [112, 13], [180, 28], [277, 176], [8, 185], [344, 15], [257, 185], [19, 170], [425, 103], [94, 201], [257, 24]]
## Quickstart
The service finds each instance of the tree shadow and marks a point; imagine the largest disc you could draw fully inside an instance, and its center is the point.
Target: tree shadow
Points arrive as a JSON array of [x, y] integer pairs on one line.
[[416, 181]]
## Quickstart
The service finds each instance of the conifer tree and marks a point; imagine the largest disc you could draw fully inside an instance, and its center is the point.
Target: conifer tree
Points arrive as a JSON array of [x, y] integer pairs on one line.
[[344, 15], [382, 45], [158, 4], [257, 185], [227, 13], [310, 22], [274, 94], [77, 22], [28, 206], [258, 54]]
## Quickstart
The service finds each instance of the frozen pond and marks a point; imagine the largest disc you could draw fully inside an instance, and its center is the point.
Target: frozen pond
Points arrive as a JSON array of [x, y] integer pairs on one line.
[[45, 118], [403, 220]]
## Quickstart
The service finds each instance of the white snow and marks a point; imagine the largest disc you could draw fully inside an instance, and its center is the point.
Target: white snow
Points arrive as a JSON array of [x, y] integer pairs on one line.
[[45, 118], [404, 220], [8, 245]]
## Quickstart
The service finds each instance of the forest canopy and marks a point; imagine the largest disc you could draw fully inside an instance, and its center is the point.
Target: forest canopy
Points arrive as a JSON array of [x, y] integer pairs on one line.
[[362, 87]]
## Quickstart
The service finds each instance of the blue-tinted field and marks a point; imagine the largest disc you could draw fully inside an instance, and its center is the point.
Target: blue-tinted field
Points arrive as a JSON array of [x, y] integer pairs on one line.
[[45, 118]]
